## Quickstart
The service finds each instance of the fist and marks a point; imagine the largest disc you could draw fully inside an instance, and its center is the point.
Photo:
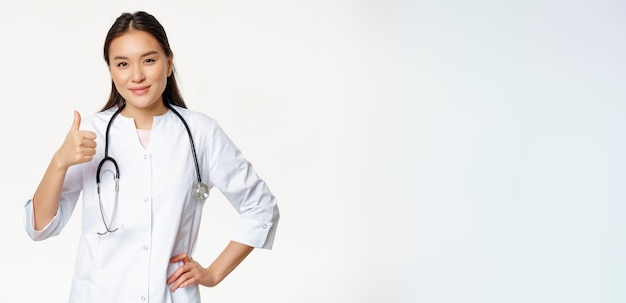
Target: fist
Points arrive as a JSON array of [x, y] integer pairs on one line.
[[79, 145]]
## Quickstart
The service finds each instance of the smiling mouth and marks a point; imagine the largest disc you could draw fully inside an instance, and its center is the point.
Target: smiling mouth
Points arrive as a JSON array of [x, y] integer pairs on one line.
[[140, 90]]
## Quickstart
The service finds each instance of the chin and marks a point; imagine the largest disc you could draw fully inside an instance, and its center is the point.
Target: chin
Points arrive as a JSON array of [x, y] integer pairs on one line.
[[140, 102]]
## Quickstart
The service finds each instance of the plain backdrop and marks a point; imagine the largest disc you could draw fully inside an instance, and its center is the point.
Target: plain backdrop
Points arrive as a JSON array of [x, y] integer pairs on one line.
[[420, 151]]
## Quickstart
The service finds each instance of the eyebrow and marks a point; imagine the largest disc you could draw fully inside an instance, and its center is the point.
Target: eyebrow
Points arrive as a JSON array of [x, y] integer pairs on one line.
[[152, 52]]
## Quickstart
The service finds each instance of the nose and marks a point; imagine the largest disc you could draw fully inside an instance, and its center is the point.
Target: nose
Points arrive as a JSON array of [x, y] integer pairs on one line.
[[138, 74]]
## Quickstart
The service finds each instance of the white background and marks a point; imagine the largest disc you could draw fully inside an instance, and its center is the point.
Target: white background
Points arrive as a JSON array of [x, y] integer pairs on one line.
[[421, 151]]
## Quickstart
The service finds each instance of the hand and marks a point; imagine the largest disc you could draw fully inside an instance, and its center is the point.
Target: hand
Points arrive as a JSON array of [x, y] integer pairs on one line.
[[191, 272], [79, 145]]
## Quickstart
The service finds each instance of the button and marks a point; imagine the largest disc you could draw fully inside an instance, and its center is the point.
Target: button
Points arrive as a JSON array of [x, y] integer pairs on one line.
[[145, 247], [145, 156], [143, 298], [145, 199], [264, 226]]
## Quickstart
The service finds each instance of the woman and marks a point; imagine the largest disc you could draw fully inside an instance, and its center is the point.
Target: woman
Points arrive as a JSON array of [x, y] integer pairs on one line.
[[139, 164]]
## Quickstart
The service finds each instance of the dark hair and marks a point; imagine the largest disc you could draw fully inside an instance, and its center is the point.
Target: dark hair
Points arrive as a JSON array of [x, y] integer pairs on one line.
[[144, 22]]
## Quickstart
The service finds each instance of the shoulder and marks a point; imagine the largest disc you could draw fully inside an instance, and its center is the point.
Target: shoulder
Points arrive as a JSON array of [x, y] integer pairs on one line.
[[205, 129], [196, 119]]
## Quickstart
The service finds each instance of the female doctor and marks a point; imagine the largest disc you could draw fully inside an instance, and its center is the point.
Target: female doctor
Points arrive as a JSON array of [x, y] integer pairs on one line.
[[144, 165]]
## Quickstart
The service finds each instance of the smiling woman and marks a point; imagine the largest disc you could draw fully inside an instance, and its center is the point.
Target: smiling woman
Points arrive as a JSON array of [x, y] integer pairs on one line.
[[141, 65], [139, 69], [140, 229]]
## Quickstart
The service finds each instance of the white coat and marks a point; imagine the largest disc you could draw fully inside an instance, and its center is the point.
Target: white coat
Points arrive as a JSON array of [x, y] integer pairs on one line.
[[157, 216]]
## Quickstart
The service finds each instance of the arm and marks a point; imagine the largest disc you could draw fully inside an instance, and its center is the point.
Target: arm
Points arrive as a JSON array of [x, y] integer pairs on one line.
[[48, 194], [191, 272], [229, 259], [237, 180], [78, 147], [235, 177]]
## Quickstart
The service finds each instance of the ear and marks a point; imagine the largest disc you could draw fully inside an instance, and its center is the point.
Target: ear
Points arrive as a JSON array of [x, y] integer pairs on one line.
[[170, 65]]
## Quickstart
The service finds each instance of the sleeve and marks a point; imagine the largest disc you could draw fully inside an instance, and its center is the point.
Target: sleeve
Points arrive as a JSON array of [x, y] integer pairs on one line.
[[69, 195], [235, 177]]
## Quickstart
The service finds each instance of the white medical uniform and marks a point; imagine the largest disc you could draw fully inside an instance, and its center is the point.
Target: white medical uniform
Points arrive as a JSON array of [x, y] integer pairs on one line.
[[157, 215]]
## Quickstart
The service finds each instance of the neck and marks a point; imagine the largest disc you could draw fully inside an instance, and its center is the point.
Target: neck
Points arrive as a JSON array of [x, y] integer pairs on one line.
[[143, 116]]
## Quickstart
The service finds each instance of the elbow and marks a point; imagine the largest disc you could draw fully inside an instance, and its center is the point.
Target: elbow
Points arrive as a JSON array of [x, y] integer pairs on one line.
[[36, 234], [276, 215], [36, 237]]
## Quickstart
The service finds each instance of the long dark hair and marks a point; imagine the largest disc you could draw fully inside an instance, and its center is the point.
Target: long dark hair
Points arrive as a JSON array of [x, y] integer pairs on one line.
[[144, 22]]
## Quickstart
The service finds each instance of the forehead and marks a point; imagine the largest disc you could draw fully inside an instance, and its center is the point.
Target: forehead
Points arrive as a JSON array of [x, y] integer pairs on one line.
[[134, 44]]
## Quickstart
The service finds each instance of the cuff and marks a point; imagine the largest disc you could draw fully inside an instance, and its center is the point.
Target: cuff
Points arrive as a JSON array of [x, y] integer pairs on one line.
[[29, 224], [259, 234]]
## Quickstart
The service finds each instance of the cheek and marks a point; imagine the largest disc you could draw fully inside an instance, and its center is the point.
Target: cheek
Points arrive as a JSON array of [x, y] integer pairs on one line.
[[120, 82], [118, 85], [159, 75], [117, 77]]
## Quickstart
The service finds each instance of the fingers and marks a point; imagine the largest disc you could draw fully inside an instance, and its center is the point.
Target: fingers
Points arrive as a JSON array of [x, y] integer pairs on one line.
[[180, 258], [89, 135], [87, 143], [76, 123], [175, 259], [187, 274], [79, 145], [180, 276], [84, 146]]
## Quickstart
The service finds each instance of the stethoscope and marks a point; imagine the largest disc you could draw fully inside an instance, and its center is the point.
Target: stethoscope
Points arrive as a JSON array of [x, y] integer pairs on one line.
[[199, 189]]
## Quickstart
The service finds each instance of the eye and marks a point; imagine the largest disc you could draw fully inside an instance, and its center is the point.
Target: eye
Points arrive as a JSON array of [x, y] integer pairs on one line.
[[150, 60], [122, 64]]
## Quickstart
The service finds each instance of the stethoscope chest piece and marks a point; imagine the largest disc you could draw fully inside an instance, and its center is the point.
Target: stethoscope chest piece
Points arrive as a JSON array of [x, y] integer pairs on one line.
[[200, 191]]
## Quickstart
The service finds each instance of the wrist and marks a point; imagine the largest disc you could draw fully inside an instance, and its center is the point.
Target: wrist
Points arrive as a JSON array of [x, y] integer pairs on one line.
[[57, 163], [212, 278]]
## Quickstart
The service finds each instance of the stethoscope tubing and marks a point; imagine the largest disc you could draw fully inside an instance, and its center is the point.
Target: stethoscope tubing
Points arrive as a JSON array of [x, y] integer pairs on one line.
[[116, 173], [193, 147]]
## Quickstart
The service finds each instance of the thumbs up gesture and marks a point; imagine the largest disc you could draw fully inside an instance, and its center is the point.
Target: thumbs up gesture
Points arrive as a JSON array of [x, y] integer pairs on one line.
[[79, 145]]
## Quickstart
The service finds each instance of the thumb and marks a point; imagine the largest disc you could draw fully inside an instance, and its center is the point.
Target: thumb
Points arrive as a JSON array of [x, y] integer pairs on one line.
[[76, 123]]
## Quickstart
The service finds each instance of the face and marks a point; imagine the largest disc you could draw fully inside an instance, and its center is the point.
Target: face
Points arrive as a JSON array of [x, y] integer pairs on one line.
[[139, 69]]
